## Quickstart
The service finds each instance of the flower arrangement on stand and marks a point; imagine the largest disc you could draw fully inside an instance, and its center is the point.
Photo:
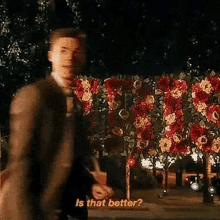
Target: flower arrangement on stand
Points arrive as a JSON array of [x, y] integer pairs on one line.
[[173, 139], [201, 95], [84, 90], [141, 115]]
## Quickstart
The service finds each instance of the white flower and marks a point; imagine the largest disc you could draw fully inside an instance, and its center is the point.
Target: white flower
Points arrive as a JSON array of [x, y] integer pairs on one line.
[[165, 144], [149, 100], [113, 105], [87, 96], [170, 119], [176, 93], [201, 107], [201, 140], [85, 84], [141, 122], [117, 131], [206, 86], [137, 84], [177, 138], [167, 128], [216, 145], [193, 95], [215, 116]]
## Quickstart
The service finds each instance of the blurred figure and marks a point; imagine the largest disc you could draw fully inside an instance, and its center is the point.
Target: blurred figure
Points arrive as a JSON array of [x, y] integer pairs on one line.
[[216, 184], [114, 164], [159, 178], [3, 162], [48, 144], [3, 155]]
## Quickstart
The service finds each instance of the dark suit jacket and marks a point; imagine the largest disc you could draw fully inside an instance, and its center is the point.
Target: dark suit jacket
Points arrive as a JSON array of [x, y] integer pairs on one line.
[[43, 167]]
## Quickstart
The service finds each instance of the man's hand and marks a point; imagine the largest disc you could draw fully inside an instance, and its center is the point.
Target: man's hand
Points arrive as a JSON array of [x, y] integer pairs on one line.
[[100, 192]]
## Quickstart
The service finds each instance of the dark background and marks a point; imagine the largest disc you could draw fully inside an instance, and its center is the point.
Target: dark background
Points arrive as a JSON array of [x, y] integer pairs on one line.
[[127, 37]]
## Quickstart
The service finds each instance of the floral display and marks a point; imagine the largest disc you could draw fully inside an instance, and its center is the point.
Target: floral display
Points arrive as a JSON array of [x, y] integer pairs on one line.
[[114, 92], [129, 106], [139, 114], [143, 122], [200, 136], [173, 140], [201, 97], [84, 90]]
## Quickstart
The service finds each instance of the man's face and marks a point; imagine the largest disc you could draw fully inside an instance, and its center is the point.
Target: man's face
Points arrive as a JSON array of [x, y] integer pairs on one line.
[[67, 57]]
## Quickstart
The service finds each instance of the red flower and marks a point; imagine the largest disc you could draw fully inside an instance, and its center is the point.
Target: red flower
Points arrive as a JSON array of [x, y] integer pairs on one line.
[[182, 85], [198, 131], [208, 146], [179, 147], [147, 134], [166, 84], [79, 91], [131, 161], [179, 116], [174, 128], [213, 113], [140, 110], [172, 102], [87, 106], [76, 83], [201, 96], [215, 81], [94, 86], [112, 84], [196, 88]]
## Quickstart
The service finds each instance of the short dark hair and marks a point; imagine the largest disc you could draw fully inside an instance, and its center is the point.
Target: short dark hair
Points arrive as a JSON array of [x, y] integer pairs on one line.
[[67, 32]]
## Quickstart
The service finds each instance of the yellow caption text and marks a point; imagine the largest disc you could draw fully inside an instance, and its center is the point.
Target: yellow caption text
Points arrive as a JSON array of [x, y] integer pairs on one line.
[[109, 203]]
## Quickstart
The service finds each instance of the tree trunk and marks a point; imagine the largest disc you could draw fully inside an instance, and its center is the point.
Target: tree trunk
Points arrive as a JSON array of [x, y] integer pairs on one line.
[[154, 168], [207, 198], [179, 177], [128, 181], [166, 180]]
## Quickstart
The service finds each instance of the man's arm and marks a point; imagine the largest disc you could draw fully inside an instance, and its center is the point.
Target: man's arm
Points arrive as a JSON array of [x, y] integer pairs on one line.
[[16, 201], [94, 188]]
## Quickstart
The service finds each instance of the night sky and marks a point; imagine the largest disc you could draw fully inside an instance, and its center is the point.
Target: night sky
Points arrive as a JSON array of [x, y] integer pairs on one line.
[[143, 37]]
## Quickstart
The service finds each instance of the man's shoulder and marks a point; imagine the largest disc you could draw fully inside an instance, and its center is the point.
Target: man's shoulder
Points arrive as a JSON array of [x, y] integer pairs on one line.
[[35, 90], [40, 85]]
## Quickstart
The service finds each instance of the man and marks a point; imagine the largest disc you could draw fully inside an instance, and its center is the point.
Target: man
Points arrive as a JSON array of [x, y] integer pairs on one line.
[[47, 153]]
